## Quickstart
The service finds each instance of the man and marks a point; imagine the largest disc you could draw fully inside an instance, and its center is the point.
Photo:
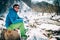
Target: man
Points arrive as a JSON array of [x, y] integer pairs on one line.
[[13, 21]]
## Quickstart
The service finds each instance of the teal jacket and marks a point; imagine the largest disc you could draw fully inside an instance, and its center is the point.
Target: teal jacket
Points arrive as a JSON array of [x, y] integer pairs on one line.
[[12, 18]]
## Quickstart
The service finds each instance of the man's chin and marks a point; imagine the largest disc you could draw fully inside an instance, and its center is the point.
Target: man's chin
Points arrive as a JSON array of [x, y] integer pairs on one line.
[[16, 11]]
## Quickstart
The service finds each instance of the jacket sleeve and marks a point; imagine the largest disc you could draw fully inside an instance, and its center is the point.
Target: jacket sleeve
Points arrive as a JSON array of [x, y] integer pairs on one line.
[[13, 19], [18, 20], [19, 17]]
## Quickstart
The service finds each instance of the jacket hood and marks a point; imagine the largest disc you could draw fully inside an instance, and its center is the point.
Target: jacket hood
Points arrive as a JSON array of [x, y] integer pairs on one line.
[[11, 9]]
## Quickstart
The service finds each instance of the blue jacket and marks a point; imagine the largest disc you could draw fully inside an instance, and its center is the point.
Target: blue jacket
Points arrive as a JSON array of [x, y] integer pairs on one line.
[[12, 17]]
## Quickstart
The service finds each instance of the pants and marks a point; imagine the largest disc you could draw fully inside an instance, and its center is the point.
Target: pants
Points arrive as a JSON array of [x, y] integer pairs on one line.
[[20, 26]]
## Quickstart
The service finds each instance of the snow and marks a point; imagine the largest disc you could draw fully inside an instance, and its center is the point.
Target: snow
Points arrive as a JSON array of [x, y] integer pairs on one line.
[[37, 33], [53, 39], [56, 17], [36, 24], [49, 1], [49, 27]]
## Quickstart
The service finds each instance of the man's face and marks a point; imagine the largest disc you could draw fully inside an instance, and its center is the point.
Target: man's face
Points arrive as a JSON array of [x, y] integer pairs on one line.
[[16, 8]]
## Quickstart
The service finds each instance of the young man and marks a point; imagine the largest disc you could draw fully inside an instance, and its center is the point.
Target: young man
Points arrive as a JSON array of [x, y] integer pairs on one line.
[[13, 21]]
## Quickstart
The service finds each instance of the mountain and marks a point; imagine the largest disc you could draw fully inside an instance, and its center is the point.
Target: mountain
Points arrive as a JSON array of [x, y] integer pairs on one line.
[[28, 2], [43, 4], [44, 7]]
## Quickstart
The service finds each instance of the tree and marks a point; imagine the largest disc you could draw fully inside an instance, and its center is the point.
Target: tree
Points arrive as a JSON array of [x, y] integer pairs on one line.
[[56, 4]]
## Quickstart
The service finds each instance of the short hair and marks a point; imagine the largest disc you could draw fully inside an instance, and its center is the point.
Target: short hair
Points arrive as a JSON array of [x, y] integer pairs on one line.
[[15, 5]]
